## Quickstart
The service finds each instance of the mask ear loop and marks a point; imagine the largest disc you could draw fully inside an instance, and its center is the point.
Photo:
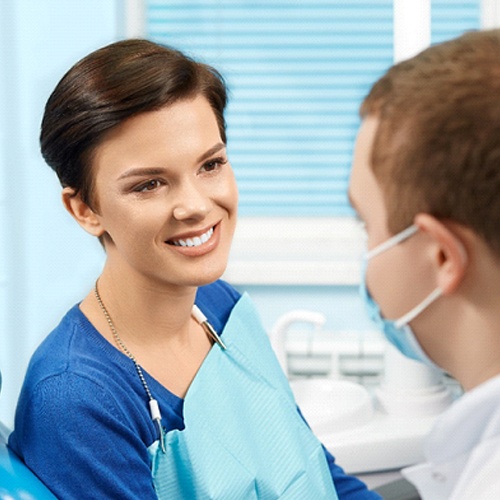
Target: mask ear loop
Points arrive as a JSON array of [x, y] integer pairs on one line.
[[392, 242], [404, 320]]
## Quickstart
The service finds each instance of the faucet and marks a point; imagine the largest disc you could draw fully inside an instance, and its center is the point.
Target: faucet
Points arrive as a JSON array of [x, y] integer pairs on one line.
[[280, 328]]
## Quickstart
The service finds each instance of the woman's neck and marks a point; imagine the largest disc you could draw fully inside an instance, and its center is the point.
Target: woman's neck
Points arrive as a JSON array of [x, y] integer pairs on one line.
[[143, 312]]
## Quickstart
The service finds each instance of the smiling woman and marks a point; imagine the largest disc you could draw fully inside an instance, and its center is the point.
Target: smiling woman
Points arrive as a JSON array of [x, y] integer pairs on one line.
[[162, 176], [167, 365]]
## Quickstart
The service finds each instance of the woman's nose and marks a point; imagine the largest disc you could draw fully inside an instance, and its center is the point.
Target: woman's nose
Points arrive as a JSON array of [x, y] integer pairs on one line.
[[192, 203]]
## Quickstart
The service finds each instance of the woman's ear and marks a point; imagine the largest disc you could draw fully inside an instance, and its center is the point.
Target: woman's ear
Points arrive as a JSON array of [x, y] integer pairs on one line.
[[81, 212], [449, 252]]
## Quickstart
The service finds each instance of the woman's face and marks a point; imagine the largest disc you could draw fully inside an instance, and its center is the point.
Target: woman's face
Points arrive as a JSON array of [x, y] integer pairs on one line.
[[166, 195]]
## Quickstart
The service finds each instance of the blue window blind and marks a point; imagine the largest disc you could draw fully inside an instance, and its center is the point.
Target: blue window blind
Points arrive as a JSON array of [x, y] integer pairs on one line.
[[451, 18], [297, 71]]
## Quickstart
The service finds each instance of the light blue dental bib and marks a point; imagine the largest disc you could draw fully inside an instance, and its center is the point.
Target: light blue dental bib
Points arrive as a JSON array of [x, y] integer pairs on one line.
[[243, 436]]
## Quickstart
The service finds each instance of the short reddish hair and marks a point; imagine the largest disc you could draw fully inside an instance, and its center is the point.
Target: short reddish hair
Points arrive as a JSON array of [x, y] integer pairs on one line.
[[437, 146]]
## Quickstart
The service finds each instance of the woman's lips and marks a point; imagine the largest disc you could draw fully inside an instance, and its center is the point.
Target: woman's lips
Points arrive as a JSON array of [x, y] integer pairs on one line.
[[195, 246]]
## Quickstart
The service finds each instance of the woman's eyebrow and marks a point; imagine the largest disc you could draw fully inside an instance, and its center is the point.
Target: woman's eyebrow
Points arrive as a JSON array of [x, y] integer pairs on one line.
[[136, 172], [211, 151]]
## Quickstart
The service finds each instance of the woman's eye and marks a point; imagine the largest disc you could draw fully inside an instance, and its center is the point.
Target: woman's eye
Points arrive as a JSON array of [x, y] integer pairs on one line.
[[148, 186], [214, 164]]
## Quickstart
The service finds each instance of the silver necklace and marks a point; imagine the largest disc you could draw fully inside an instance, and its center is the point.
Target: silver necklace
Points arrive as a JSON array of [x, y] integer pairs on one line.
[[154, 408]]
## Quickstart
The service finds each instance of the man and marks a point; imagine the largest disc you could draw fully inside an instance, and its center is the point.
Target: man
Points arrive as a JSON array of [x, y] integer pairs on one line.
[[426, 184]]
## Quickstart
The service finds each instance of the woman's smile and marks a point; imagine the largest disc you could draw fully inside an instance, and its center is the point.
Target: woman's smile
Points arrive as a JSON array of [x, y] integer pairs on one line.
[[192, 241], [198, 243]]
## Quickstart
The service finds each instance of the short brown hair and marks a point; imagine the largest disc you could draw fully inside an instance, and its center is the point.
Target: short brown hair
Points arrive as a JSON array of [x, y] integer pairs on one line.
[[111, 85], [437, 146]]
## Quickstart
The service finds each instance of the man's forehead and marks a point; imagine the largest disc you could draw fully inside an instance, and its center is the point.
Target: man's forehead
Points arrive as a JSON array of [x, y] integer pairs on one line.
[[361, 169]]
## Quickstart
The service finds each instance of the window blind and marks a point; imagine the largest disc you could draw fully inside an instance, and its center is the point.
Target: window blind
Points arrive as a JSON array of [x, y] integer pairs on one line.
[[450, 18], [297, 71]]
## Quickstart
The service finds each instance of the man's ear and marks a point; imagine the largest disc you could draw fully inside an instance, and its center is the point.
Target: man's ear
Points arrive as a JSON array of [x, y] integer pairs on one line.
[[81, 212], [449, 252]]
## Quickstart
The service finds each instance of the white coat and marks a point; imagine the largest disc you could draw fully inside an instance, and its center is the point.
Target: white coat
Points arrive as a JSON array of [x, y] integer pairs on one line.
[[463, 449]]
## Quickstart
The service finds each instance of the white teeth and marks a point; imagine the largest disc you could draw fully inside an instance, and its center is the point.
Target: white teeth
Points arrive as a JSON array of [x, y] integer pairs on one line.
[[196, 241]]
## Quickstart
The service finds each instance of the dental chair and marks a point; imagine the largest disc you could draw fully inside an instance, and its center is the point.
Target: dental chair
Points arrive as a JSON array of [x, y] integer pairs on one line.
[[17, 482]]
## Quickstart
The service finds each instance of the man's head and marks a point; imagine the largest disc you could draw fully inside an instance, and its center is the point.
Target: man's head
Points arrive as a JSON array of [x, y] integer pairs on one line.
[[426, 182], [436, 148]]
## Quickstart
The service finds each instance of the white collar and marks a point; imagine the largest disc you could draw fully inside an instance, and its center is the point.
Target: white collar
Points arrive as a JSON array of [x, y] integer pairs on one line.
[[474, 417]]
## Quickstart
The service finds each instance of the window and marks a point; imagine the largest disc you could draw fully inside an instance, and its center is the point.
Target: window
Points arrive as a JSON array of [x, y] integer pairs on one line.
[[297, 71]]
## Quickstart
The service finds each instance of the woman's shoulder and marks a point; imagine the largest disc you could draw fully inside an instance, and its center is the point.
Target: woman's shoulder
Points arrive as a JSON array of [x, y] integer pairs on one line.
[[73, 351], [51, 356], [217, 300]]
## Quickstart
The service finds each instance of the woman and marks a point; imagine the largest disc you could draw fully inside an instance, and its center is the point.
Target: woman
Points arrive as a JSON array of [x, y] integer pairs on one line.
[[136, 394]]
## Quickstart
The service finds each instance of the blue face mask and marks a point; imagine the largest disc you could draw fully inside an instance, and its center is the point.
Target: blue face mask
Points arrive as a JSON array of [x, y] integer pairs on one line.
[[398, 332]]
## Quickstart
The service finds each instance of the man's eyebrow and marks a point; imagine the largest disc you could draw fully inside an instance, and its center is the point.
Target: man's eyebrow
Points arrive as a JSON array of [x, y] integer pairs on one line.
[[357, 213], [351, 200]]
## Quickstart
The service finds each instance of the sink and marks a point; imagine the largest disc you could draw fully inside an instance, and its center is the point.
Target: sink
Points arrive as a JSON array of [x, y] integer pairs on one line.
[[331, 405]]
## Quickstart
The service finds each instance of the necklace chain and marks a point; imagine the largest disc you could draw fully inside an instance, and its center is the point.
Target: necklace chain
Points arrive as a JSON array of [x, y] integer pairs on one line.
[[153, 404], [120, 342]]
